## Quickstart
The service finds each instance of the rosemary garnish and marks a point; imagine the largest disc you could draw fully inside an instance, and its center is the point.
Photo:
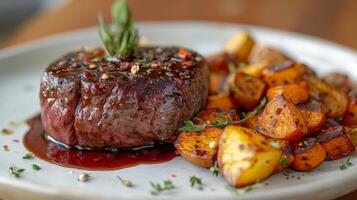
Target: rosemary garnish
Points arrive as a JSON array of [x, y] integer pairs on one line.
[[126, 183], [214, 169], [190, 126], [122, 40], [16, 171], [345, 164], [239, 191], [28, 156], [158, 188], [196, 181], [36, 167]]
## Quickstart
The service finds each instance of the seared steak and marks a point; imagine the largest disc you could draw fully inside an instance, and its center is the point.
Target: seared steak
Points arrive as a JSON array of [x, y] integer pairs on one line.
[[93, 101]]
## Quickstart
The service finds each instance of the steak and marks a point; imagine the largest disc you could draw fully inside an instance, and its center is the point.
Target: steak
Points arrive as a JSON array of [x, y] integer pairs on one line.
[[90, 100]]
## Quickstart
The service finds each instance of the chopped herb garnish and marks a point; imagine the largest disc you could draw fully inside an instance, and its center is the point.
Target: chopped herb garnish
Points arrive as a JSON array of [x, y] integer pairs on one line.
[[36, 167], [214, 169], [190, 126], [345, 164], [305, 142], [275, 145], [123, 39], [195, 181], [16, 171], [28, 156], [126, 183], [283, 162], [239, 191], [84, 177], [158, 188]]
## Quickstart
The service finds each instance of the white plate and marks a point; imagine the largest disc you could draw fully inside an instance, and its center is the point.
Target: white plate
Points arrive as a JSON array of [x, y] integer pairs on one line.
[[20, 72]]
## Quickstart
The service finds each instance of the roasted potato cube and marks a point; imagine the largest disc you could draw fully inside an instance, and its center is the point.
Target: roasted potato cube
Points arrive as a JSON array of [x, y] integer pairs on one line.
[[335, 142], [261, 53], [283, 73], [296, 92], [245, 157], [211, 115], [216, 82], [339, 80], [333, 100], [254, 69], [219, 62], [313, 114], [350, 117], [240, 45], [199, 148], [308, 154], [246, 90], [282, 120], [252, 122], [351, 132], [287, 156], [223, 101]]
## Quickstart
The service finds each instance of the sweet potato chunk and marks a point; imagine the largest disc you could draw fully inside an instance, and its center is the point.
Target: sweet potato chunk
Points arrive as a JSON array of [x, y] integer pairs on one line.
[[246, 90], [199, 148], [245, 157], [211, 115], [240, 45], [296, 92], [333, 100], [287, 156], [335, 142], [350, 117], [261, 53], [220, 101], [282, 120], [219, 62], [216, 82], [308, 154], [252, 122], [313, 114], [283, 73], [254, 69], [339, 80], [351, 132]]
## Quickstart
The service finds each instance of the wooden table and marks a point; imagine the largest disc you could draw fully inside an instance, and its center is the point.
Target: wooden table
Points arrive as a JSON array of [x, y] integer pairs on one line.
[[330, 19]]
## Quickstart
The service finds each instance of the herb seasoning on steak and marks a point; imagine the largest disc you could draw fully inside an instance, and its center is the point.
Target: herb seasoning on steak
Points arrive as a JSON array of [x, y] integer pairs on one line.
[[92, 101]]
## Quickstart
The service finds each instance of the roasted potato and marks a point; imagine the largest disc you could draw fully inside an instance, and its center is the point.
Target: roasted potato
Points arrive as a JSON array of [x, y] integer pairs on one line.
[[335, 142], [308, 154], [350, 117], [287, 156], [351, 132], [211, 115], [283, 73], [252, 122], [216, 82], [199, 148], [282, 120], [261, 53], [219, 62], [246, 90], [339, 80], [254, 69], [296, 92], [240, 45], [223, 101], [245, 157], [333, 100], [313, 114]]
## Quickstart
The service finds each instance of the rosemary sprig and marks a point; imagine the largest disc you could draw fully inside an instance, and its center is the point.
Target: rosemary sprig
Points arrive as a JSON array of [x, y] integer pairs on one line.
[[122, 40], [158, 188], [190, 126], [16, 171]]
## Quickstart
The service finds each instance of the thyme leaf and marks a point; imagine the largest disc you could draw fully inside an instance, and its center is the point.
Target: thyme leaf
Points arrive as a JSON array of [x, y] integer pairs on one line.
[[345, 164], [214, 169], [36, 167], [158, 188], [28, 156], [16, 172], [196, 181]]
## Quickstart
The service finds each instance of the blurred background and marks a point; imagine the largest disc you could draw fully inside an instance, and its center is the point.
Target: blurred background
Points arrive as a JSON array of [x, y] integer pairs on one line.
[[336, 20]]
